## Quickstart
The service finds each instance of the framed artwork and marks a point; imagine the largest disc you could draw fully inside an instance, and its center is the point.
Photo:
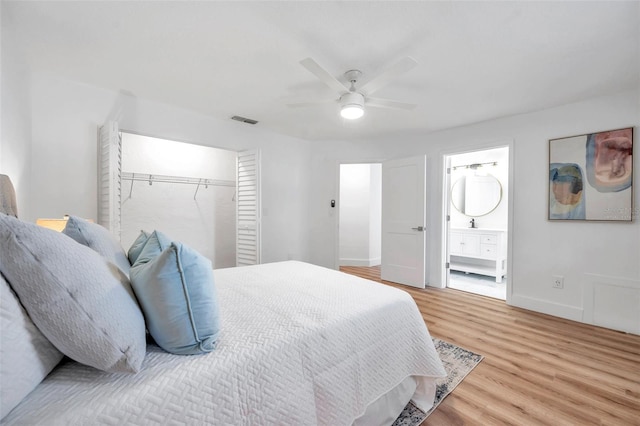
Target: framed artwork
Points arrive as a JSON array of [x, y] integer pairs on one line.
[[591, 176]]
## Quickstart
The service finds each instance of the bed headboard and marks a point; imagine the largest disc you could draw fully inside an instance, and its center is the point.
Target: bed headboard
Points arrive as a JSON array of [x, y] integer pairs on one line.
[[8, 203]]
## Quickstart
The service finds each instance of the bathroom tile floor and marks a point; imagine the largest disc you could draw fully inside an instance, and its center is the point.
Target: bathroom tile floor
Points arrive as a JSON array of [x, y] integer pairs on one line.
[[478, 284]]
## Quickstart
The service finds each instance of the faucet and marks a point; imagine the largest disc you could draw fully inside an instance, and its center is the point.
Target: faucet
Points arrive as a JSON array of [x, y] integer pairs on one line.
[[472, 223]]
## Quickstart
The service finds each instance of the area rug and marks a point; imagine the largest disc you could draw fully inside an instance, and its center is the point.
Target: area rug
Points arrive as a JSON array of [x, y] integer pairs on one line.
[[457, 363]]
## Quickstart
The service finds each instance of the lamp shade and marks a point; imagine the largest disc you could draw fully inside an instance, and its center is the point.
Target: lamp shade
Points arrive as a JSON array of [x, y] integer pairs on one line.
[[55, 224]]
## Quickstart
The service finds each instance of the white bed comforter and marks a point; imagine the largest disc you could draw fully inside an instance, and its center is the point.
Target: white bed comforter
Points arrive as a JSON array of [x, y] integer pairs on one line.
[[301, 345]]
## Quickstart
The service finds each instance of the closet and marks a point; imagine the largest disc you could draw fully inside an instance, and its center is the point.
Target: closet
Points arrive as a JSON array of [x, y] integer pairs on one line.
[[186, 191], [204, 197]]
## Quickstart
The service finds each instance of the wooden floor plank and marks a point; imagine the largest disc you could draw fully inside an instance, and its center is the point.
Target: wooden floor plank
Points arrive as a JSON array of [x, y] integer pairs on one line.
[[538, 369]]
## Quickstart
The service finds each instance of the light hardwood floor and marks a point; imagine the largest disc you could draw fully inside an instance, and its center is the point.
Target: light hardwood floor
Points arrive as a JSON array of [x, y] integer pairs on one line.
[[537, 370]]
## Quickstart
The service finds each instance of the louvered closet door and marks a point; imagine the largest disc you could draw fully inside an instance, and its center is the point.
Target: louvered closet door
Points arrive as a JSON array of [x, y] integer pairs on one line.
[[248, 209], [109, 167]]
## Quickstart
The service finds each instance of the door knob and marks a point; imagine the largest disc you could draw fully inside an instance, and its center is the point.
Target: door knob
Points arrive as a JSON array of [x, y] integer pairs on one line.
[[419, 228]]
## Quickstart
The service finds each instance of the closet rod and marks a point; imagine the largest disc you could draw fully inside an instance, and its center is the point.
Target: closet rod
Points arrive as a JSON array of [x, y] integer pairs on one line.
[[142, 177], [151, 178]]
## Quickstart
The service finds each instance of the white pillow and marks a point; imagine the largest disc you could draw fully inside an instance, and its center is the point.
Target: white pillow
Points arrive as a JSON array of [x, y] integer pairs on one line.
[[26, 356], [74, 296]]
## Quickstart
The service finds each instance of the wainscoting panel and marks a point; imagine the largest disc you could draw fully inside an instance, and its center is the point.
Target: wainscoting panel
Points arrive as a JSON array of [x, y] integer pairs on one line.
[[612, 302]]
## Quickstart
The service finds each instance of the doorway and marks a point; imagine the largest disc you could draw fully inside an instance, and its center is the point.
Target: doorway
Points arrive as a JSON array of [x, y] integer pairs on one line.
[[360, 215], [477, 221], [391, 219]]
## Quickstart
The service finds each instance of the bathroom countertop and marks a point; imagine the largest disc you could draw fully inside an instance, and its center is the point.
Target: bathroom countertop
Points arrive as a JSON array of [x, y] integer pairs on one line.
[[459, 228]]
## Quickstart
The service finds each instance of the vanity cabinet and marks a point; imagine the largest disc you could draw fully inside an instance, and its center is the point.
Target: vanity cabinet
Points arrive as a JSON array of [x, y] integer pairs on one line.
[[478, 251]]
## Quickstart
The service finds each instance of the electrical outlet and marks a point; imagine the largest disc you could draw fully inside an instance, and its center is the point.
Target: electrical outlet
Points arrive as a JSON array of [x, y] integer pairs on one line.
[[557, 281]]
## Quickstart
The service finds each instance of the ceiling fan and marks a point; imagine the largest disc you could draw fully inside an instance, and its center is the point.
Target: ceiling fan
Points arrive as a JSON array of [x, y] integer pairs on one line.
[[353, 99]]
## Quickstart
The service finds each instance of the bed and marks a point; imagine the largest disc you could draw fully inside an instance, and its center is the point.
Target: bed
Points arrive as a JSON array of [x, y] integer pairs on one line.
[[299, 345]]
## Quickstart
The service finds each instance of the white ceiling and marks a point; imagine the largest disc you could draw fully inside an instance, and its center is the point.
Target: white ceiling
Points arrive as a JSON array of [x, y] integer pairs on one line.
[[476, 60]]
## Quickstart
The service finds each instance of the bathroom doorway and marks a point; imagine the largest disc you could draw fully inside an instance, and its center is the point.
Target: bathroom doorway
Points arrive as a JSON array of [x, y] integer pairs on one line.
[[477, 221]]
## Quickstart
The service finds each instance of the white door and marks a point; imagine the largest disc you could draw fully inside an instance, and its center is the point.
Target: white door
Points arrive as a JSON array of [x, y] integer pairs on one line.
[[446, 238], [403, 221], [248, 249], [109, 177]]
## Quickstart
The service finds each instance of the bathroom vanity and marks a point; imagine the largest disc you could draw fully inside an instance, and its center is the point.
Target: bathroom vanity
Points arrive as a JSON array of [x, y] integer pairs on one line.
[[478, 251]]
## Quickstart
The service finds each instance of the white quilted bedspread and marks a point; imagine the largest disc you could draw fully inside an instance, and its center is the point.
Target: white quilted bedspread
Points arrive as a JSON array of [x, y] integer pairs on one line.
[[301, 345]]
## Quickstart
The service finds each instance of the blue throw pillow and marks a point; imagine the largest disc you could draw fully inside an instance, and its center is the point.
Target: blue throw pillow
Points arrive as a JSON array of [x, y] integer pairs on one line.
[[154, 244], [137, 246], [177, 293]]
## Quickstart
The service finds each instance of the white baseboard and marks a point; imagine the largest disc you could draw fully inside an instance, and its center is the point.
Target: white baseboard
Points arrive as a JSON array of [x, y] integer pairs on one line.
[[573, 313], [360, 262], [375, 261]]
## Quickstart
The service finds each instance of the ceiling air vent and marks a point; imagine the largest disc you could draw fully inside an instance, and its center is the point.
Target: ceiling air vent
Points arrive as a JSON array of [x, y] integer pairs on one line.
[[244, 119]]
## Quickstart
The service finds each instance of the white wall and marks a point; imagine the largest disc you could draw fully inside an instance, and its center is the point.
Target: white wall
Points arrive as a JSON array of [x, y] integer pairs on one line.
[[540, 248], [204, 220], [65, 116], [148, 155], [360, 214], [15, 117]]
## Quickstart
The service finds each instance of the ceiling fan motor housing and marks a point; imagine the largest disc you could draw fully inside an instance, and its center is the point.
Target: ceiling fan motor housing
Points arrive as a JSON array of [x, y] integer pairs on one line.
[[352, 99]]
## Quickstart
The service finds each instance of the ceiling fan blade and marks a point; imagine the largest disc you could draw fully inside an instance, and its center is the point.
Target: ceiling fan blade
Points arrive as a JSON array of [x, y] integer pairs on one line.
[[323, 75], [386, 103], [310, 103], [381, 80]]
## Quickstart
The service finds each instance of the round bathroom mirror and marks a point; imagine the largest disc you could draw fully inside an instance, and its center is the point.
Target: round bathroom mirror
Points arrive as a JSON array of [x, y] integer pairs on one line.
[[476, 195]]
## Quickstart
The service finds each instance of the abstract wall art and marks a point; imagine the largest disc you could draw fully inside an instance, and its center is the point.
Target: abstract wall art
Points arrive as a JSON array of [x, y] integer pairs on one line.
[[591, 176]]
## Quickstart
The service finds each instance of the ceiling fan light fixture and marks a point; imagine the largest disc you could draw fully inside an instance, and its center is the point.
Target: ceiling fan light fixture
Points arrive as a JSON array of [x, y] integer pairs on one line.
[[352, 106], [352, 112], [352, 100]]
